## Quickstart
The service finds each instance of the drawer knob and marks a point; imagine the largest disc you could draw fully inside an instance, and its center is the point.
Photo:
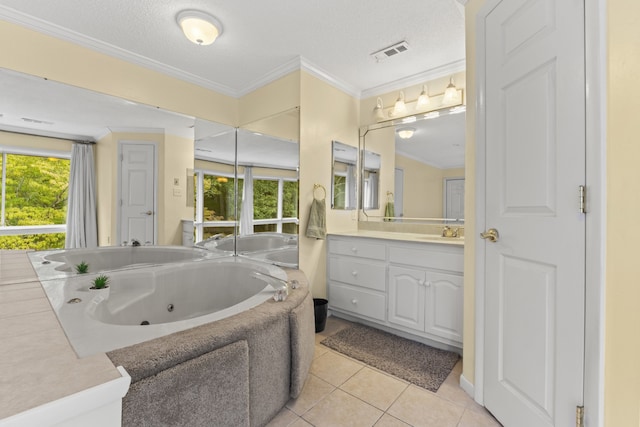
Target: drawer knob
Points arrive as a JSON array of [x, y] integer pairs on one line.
[[354, 301], [421, 282], [428, 283], [354, 249], [354, 273]]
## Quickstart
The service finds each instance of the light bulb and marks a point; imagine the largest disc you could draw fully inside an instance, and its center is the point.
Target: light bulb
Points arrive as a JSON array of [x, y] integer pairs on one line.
[[399, 108], [450, 93], [423, 99]]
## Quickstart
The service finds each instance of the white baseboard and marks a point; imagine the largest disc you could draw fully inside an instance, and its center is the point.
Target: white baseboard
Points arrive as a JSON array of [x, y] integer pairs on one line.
[[466, 385]]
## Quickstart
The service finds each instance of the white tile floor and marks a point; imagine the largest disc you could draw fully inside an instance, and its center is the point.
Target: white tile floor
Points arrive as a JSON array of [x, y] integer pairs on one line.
[[341, 391]]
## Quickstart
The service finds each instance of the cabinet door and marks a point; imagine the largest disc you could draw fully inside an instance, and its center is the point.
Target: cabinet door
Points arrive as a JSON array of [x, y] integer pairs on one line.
[[444, 305], [407, 297]]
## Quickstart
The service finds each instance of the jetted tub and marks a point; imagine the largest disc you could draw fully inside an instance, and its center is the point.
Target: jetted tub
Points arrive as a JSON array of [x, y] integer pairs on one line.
[[62, 263], [145, 303], [257, 242]]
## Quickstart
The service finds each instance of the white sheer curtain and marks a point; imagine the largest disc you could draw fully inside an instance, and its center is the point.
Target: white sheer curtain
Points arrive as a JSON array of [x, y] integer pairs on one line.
[[350, 186], [246, 214], [82, 227]]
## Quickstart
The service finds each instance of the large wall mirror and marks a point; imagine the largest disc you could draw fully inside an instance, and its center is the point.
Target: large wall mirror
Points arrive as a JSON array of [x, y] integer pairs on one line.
[[249, 180], [199, 183], [421, 167]]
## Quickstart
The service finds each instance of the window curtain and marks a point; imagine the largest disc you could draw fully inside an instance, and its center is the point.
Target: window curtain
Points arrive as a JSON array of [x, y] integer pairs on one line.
[[246, 214], [350, 186], [82, 227]]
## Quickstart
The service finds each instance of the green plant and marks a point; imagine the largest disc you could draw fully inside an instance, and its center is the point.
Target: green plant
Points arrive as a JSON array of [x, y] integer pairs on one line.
[[82, 268], [100, 282]]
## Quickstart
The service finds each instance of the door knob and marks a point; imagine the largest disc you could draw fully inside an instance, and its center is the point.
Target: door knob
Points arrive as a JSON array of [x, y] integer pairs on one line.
[[491, 235], [147, 213]]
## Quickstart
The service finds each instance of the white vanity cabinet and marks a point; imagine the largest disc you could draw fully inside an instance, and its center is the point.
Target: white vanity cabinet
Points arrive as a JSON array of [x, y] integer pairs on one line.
[[356, 273], [412, 287]]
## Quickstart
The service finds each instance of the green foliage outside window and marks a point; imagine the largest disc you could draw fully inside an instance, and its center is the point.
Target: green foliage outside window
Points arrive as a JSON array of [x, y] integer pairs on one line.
[[35, 194]]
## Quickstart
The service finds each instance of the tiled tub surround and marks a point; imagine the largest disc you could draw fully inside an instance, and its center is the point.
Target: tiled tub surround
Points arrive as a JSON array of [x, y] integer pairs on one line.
[[42, 381]]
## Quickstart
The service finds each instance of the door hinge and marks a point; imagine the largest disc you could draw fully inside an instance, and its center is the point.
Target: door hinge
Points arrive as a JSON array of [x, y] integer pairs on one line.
[[582, 195], [579, 416]]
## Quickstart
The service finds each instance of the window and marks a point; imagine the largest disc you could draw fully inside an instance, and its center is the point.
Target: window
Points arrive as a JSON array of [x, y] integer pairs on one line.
[[33, 201]]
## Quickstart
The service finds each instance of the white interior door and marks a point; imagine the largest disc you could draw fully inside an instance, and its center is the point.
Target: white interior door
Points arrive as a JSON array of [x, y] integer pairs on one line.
[[398, 195], [137, 192], [454, 198], [535, 163]]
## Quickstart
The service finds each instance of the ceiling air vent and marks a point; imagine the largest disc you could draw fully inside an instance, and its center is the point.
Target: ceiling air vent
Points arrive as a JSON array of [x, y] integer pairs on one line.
[[390, 51]]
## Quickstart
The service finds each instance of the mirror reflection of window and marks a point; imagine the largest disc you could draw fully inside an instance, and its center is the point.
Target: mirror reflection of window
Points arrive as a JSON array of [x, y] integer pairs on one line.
[[34, 194], [344, 183], [371, 180], [215, 204]]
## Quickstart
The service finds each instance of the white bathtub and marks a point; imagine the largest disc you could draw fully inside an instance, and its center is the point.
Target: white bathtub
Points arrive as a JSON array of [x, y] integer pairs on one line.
[[251, 243], [62, 263], [170, 298]]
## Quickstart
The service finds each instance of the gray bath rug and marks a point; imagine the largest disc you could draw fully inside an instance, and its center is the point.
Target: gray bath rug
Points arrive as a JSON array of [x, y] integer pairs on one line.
[[412, 361]]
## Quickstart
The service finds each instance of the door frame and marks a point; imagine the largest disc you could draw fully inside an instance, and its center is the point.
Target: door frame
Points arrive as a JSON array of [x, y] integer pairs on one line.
[[595, 80], [155, 145]]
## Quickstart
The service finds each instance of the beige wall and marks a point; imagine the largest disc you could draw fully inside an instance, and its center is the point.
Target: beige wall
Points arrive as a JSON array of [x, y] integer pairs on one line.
[[106, 153], [469, 329], [326, 114], [622, 339], [177, 159], [424, 200], [40, 55], [34, 142]]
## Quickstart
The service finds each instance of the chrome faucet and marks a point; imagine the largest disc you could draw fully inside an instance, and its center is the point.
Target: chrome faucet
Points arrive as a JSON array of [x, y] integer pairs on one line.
[[280, 285], [135, 242]]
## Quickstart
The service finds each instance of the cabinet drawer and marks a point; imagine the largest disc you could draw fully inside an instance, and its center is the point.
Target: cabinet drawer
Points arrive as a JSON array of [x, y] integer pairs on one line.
[[358, 272], [357, 247], [357, 301], [451, 259]]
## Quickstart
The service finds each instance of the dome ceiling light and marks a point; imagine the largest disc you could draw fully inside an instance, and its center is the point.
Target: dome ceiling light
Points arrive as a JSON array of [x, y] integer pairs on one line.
[[406, 133], [199, 27]]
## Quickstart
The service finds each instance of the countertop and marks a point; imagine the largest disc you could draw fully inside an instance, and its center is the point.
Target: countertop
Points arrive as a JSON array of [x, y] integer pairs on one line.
[[407, 237], [37, 364]]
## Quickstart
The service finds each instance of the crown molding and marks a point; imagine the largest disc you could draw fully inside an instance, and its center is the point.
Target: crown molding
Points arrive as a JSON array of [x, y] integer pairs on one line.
[[416, 79], [44, 27], [323, 75], [273, 75]]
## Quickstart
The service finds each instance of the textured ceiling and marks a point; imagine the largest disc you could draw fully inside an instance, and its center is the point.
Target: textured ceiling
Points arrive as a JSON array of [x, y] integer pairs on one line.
[[261, 38]]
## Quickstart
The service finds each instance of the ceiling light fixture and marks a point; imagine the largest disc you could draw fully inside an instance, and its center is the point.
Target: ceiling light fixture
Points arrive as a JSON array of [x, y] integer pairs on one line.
[[406, 133], [399, 108], [199, 27], [423, 99], [450, 93]]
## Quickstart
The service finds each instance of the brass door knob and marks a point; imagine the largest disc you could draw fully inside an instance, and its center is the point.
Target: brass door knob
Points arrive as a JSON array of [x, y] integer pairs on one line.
[[491, 235]]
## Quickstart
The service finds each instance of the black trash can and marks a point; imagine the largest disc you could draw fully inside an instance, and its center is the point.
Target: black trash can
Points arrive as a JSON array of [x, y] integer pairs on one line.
[[320, 307]]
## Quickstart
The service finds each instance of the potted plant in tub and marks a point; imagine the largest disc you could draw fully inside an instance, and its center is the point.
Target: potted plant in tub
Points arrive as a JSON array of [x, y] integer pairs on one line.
[[100, 282], [82, 268]]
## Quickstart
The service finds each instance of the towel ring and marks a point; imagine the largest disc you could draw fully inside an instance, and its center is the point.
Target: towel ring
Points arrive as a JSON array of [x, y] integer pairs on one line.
[[321, 187]]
